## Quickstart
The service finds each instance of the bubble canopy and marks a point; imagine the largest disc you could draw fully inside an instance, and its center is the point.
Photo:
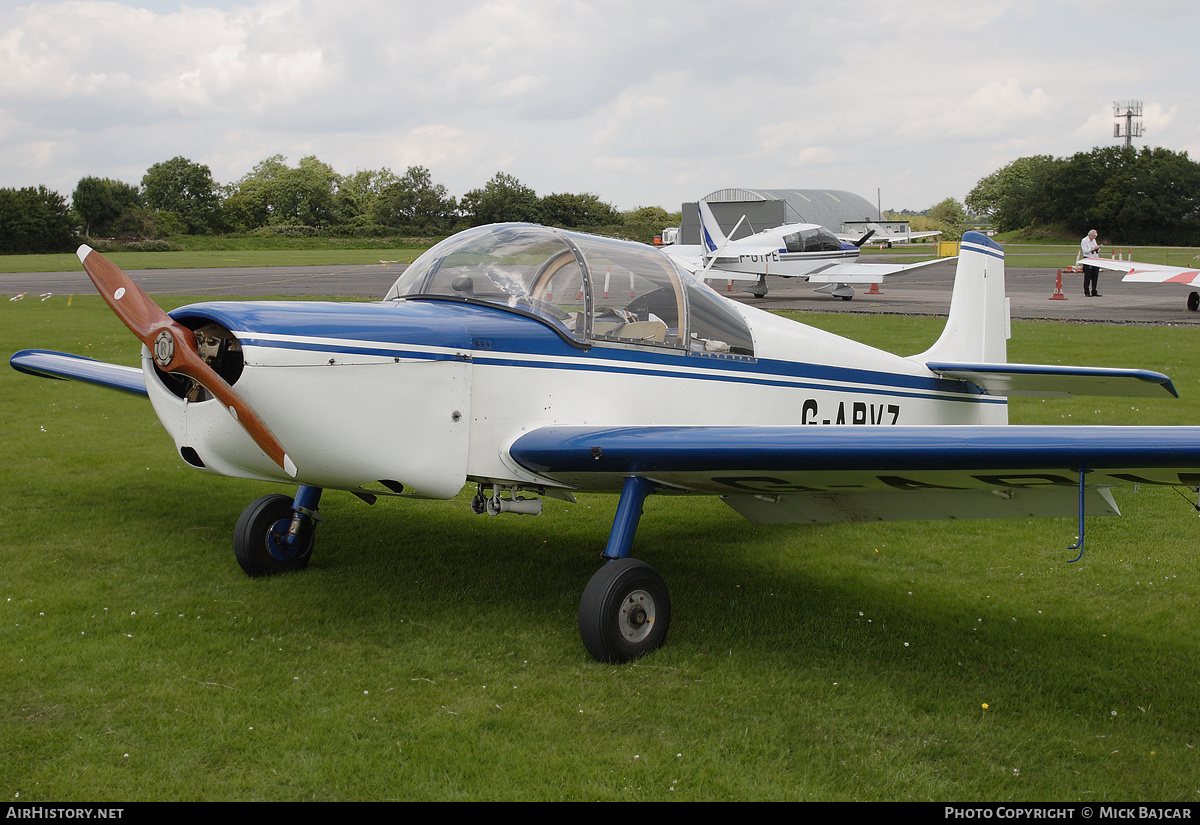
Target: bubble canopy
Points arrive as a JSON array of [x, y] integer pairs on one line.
[[597, 289]]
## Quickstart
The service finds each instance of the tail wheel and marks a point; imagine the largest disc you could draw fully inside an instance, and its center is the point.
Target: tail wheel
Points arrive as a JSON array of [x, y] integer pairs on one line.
[[625, 611], [261, 542]]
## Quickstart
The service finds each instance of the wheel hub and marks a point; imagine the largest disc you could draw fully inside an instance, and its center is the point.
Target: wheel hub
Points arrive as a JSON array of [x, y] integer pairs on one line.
[[637, 616], [281, 544]]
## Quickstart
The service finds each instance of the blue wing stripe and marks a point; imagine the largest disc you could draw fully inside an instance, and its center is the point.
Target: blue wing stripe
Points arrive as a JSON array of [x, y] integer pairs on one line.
[[47, 364], [639, 450]]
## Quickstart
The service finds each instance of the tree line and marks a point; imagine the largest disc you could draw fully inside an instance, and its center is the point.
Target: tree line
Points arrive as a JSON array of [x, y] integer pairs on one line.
[[1147, 196], [179, 197]]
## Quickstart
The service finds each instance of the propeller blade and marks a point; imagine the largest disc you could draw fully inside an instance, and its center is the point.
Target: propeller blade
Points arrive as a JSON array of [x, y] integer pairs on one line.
[[174, 347], [864, 238]]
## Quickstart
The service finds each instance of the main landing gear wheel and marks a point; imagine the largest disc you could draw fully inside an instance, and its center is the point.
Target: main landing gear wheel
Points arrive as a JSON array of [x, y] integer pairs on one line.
[[625, 611], [1193, 301], [260, 540]]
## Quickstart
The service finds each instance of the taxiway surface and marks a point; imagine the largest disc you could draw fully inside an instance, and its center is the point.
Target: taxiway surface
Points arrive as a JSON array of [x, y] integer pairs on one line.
[[922, 292]]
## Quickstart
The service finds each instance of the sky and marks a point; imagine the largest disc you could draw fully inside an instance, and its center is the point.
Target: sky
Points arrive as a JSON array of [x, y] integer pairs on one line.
[[641, 102]]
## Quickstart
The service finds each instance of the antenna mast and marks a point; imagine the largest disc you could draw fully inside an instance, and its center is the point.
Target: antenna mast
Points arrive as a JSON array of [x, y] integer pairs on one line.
[[1127, 110]]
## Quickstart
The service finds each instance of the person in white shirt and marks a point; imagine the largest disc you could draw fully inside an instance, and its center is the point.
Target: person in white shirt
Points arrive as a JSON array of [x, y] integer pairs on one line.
[[1089, 247]]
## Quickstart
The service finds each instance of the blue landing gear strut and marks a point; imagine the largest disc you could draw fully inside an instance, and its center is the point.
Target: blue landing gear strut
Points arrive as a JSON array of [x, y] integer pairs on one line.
[[626, 610], [275, 533]]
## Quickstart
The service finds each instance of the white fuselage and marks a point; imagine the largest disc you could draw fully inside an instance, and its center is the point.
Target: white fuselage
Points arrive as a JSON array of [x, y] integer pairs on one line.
[[356, 410]]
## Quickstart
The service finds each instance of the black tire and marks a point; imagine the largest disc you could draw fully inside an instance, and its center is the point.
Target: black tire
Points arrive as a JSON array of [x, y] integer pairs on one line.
[[625, 611], [1193, 301], [257, 539], [847, 297]]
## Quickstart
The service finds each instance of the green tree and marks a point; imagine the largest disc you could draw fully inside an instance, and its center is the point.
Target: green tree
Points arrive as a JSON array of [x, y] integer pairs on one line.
[[1161, 202], [35, 220], [105, 206], [275, 193], [948, 217], [416, 202], [575, 211], [1150, 196], [358, 194], [186, 190], [1086, 189], [653, 215], [948, 211], [502, 199], [1014, 197]]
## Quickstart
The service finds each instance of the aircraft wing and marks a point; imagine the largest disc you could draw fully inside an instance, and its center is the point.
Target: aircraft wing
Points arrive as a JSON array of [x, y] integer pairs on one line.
[[847, 273], [858, 273], [688, 256], [47, 364], [882, 237], [807, 473], [1147, 273]]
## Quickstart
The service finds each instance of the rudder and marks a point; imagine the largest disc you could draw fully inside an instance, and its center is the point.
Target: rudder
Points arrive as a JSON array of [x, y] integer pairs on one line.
[[978, 327]]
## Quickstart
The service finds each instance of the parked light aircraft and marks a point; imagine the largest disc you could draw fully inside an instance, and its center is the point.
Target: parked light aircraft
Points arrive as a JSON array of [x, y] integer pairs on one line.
[[880, 236], [495, 360], [797, 250], [1152, 274]]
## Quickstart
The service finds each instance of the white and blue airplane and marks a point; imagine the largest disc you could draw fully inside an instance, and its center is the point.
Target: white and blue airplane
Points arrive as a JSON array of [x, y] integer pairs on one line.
[[879, 235], [795, 250], [496, 360]]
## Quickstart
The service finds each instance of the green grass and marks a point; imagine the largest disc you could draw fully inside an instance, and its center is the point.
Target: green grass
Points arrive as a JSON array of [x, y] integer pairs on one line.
[[241, 243], [431, 654], [191, 259]]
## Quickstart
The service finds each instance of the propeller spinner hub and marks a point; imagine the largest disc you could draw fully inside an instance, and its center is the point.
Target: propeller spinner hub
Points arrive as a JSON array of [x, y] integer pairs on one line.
[[164, 348]]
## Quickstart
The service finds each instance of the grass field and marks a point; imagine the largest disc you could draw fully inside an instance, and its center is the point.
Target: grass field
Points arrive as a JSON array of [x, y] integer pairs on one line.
[[1047, 256], [431, 654], [190, 259]]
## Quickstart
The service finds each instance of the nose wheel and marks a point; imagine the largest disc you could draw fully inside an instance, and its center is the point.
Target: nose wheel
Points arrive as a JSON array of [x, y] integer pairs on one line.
[[625, 611], [275, 534]]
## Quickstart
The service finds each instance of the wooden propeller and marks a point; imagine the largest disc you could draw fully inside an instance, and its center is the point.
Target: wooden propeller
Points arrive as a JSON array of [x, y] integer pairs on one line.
[[174, 347]]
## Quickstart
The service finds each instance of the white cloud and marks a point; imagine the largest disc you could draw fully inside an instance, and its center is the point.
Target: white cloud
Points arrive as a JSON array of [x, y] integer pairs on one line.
[[638, 105]]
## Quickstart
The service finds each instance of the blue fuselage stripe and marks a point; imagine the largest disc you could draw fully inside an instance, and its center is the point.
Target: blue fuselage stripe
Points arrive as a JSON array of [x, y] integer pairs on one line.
[[437, 331], [787, 374]]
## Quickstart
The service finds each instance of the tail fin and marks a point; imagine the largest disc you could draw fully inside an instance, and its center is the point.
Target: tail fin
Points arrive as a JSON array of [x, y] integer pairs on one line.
[[977, 329], [711, 236]]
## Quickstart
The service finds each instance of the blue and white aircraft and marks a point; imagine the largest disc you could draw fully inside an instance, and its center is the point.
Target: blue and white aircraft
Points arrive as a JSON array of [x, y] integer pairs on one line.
[[496, 360], [795, 250]]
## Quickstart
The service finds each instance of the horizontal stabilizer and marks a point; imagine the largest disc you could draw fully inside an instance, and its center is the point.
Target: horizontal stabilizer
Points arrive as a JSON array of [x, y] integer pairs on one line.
[[47, 364], [1050, 381]]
